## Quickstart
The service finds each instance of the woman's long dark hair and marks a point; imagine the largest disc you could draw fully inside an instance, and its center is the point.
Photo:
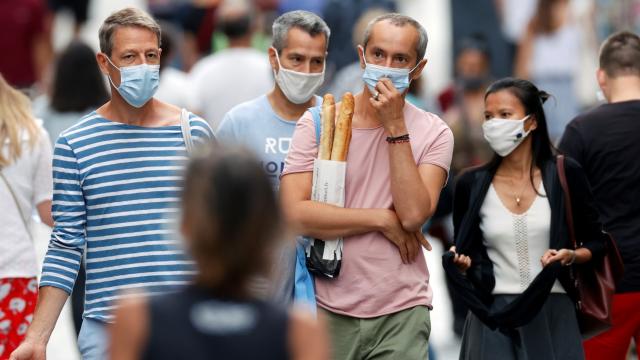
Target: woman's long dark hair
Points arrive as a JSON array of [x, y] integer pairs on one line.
[[78, 84], [532, 100], [233, 219]]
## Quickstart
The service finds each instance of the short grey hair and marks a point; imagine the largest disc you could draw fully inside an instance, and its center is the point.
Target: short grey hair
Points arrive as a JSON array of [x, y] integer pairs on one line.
[[400, 20], [307, 21], [126, 17]]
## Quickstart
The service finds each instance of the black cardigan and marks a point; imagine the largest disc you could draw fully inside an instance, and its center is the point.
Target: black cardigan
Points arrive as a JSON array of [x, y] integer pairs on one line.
[[476, 286]]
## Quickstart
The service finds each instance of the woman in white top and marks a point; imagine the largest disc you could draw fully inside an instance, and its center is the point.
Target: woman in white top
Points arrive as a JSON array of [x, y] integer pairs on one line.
[[511, 236], [549, 55], [25, 186]]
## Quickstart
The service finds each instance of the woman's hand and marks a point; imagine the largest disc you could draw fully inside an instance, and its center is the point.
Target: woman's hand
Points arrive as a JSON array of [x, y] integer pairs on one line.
[[463, 262], [565, 256]]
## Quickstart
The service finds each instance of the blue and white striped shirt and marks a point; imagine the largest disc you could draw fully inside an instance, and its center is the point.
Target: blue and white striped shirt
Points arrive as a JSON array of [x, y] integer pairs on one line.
[[117, 189]]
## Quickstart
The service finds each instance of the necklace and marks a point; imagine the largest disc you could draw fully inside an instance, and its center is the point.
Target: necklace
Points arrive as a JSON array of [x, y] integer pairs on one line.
[[519, 197]]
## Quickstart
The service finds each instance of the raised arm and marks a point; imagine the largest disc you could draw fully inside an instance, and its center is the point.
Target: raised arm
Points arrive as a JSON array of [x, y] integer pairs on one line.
[[415, 188]]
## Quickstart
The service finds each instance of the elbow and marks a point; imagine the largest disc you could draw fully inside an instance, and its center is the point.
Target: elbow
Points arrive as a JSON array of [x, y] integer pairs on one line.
[[413, 223]]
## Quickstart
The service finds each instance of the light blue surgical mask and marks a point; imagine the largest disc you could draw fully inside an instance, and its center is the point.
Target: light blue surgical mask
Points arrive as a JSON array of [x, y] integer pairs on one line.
[[138, 83], [398, 76]]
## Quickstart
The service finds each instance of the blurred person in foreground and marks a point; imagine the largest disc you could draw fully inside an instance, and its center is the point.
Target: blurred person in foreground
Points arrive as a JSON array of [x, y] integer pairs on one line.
[[512, 260], [266, 123], [231, 221], [116, 176], [397, 163], [605, 140], [25, 186], [234, 75]]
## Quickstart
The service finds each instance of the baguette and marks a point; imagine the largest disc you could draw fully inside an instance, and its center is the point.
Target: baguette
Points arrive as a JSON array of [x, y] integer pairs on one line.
[[342, 136], [328, 125]]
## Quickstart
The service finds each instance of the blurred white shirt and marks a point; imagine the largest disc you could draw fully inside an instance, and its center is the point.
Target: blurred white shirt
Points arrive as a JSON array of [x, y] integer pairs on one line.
[[174, 88], [227, 78], [30, 178]]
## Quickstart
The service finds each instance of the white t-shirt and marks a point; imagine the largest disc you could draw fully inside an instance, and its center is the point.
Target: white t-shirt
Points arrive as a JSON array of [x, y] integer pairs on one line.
[[174, 88], [516, 242], [30, 177], [227, 78]]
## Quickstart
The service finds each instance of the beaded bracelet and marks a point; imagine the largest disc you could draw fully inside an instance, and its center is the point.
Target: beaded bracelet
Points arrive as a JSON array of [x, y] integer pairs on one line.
[[398, 139]]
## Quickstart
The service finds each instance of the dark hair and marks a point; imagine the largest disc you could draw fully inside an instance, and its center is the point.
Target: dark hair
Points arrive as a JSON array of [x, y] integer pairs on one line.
[[232, 217], [237, 26], [78, 84], [532, 100], [620, 54], [169, 38], [542, 21]]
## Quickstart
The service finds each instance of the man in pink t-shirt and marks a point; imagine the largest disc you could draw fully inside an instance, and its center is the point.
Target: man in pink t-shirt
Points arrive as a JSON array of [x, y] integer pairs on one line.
[[398, 162]]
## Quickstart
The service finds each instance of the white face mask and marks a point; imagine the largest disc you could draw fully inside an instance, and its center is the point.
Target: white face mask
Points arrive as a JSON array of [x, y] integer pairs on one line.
[[504, 135], [297, 87]]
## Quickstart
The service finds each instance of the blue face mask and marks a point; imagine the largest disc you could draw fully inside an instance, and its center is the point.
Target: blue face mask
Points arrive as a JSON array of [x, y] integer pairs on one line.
[[138, 83], [373, 73]]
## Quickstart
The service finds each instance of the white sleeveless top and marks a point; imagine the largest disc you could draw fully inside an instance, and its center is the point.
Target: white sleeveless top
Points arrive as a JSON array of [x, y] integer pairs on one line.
[[515, 243]]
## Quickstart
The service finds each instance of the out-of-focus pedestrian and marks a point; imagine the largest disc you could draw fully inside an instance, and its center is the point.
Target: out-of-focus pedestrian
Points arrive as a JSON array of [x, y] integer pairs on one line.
[[25, 42], [234, 75], [25, 186], [549, 55], [512, 249], [69, 99], [266, 124], [174, 87], [117, 176], [231, 223], [605, 141]]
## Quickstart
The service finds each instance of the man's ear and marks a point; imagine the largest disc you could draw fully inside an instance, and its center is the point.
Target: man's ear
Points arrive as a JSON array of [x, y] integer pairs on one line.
[[418, 71], [361, 56], [103, 63], [601, 76], [272, 59]]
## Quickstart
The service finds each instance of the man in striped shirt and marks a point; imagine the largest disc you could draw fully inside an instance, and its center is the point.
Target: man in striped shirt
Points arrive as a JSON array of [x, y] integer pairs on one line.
[[117, 176]]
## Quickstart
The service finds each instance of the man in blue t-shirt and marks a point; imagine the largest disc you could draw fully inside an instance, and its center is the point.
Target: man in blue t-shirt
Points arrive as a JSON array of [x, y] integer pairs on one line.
[[265, 124]]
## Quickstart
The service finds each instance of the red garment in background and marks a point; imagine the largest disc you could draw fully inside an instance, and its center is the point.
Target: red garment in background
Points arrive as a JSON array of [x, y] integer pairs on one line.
[[21, 22], [18, 298], [614, 344]]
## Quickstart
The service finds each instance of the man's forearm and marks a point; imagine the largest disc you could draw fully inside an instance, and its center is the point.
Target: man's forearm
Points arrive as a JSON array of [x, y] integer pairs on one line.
[[50, 303], [411, 199], [324, 221]]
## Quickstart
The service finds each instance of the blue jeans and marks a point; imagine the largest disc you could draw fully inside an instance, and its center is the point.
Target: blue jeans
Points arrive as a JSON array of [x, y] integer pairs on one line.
[[93, 340]]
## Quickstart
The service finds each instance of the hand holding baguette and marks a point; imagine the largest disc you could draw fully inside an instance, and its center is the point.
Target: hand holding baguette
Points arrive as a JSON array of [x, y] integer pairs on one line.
[[342, 136]]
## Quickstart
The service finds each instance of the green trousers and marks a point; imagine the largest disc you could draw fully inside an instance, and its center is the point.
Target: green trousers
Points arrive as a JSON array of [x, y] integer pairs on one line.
[[403, 335]]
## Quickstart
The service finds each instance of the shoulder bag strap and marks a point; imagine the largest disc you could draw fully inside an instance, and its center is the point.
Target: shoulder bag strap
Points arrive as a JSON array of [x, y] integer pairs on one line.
[[15, 201], [567, 195], [185, 126]]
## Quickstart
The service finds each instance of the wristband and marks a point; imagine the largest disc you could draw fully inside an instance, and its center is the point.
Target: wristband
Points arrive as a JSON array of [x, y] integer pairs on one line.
[[573, 258], [398, 139]]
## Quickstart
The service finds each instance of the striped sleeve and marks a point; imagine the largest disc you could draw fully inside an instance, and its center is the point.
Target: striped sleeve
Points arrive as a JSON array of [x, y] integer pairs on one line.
[[200, 130], [66, 246]]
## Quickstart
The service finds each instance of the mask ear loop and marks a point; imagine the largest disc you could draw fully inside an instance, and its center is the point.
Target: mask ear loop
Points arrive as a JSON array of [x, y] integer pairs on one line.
[[109, 76]]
